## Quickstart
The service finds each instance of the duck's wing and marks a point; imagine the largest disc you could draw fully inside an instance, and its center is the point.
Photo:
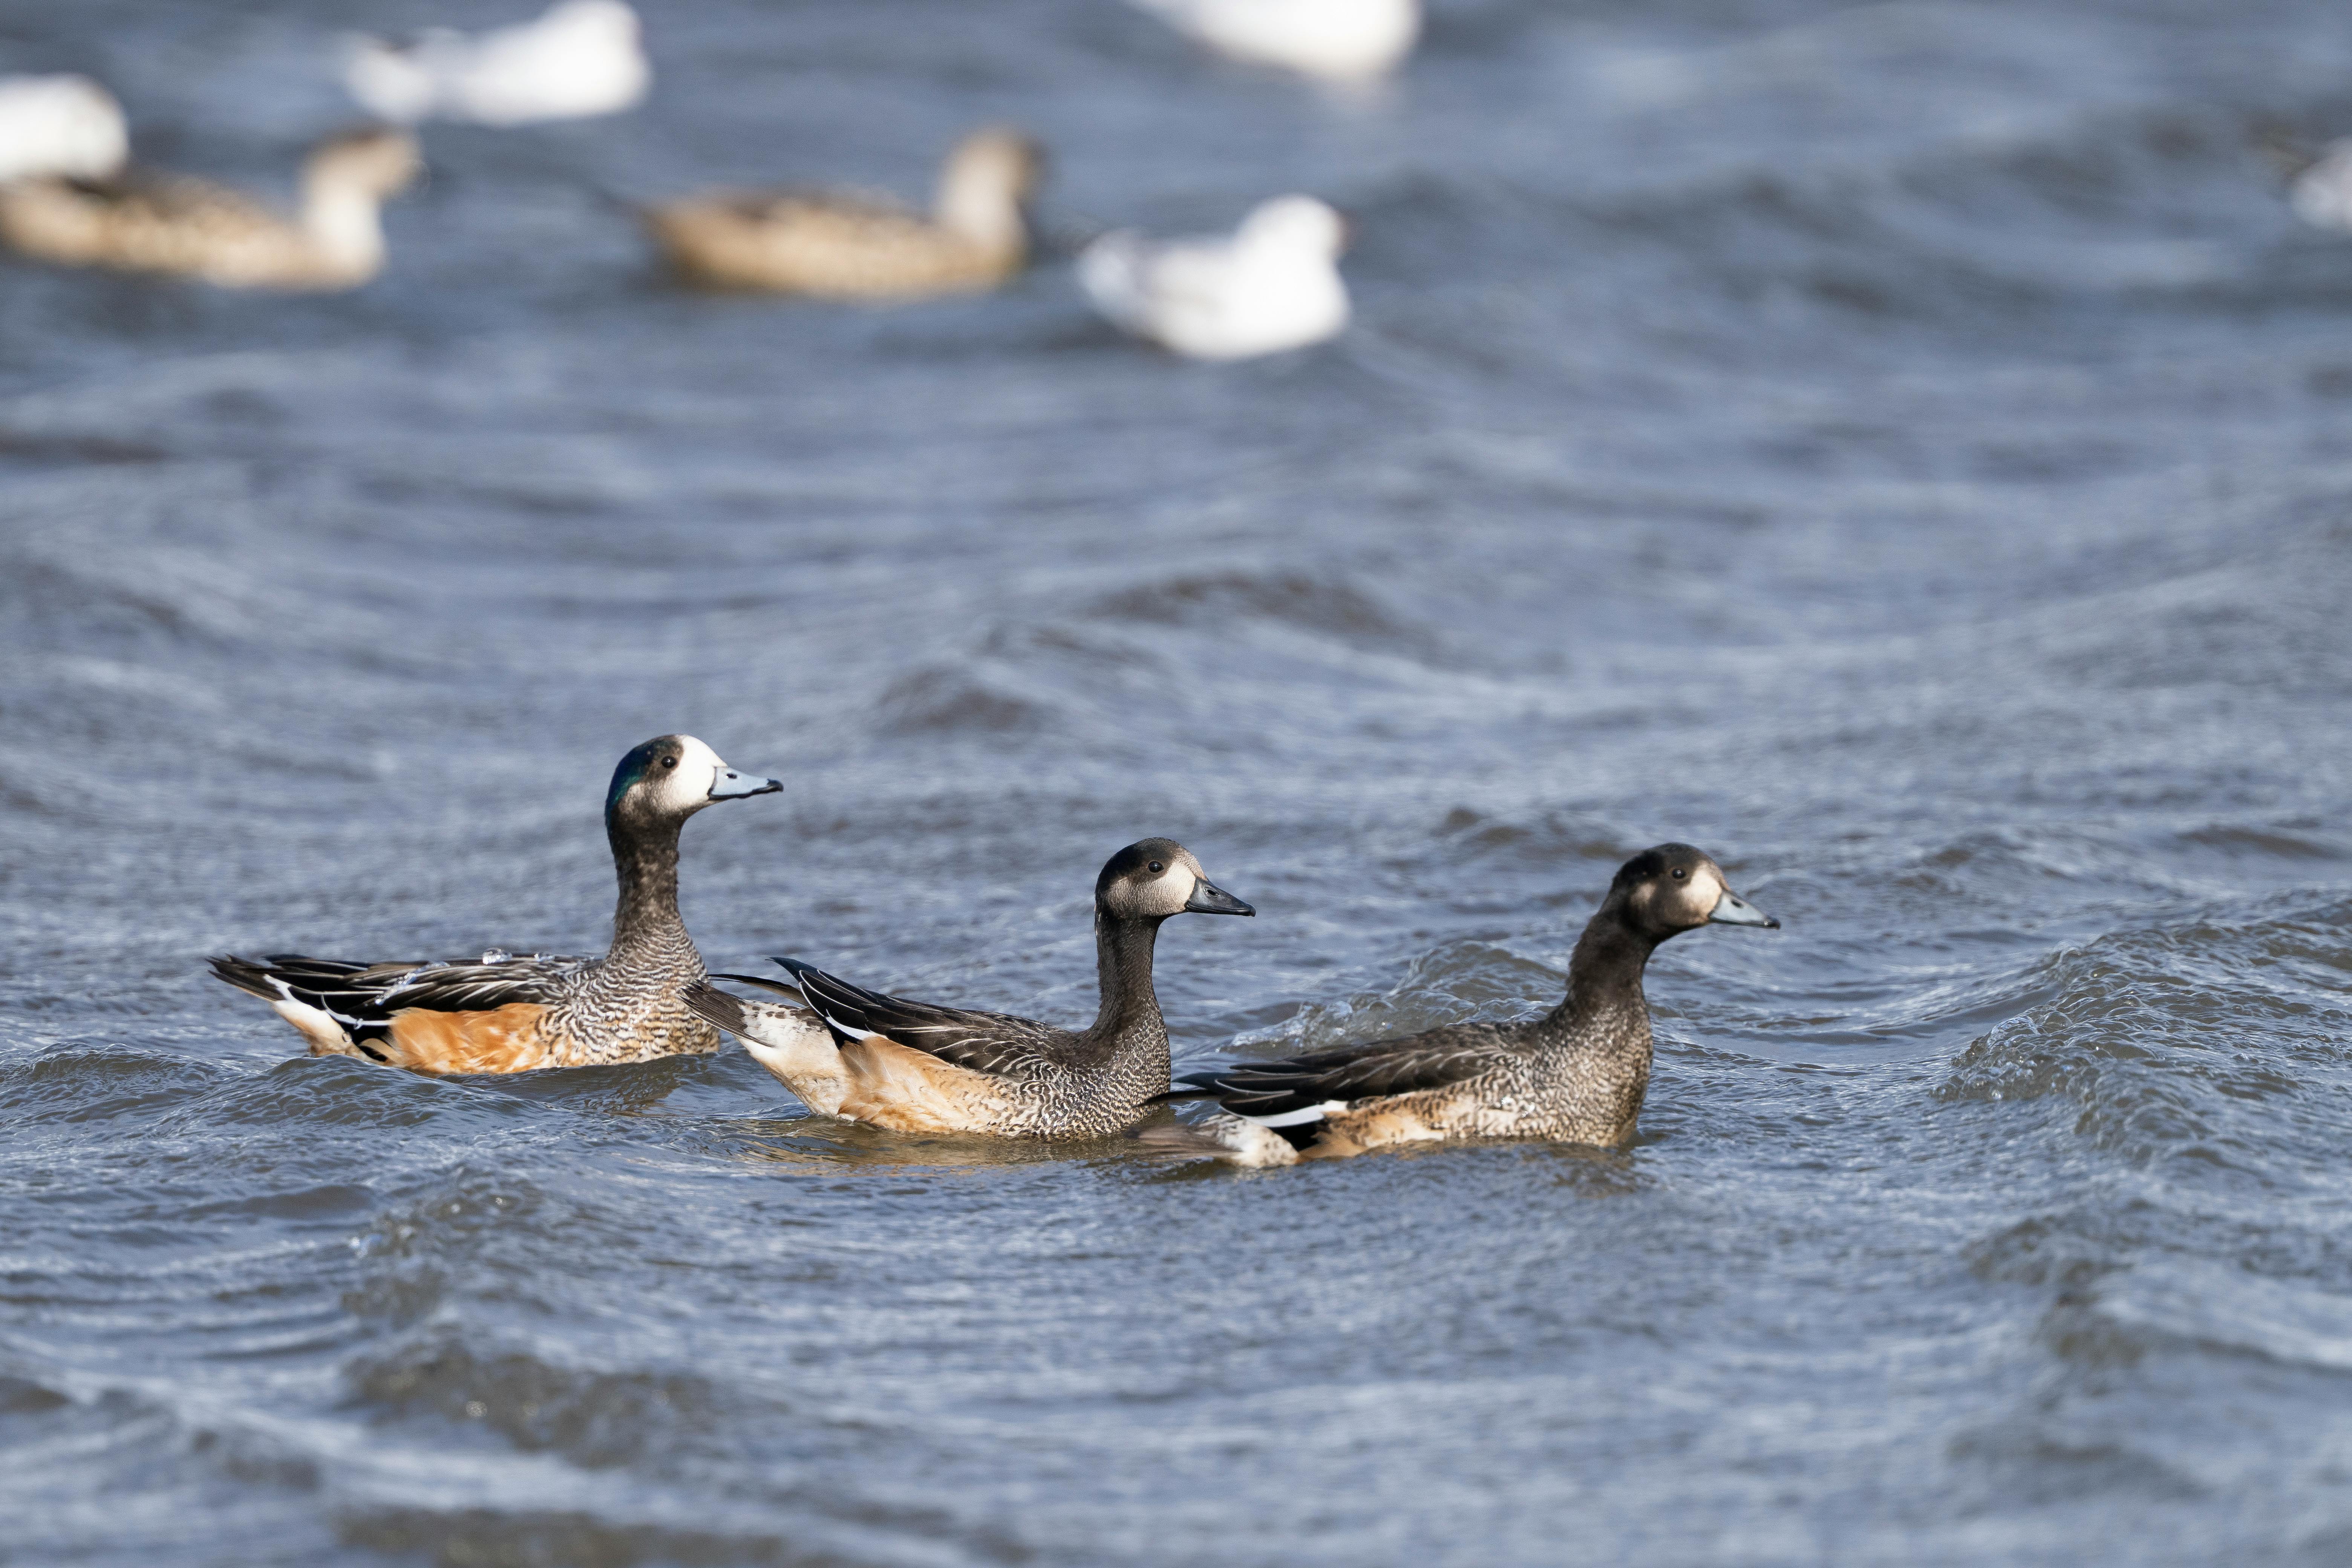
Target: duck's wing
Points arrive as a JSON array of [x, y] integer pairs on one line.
[[476, 1015], [153, 196], [1300, 1090], [996, 1044]]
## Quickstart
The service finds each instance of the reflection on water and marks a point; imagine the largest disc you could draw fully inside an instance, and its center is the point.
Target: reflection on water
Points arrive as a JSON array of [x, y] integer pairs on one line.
[[1899, 448]]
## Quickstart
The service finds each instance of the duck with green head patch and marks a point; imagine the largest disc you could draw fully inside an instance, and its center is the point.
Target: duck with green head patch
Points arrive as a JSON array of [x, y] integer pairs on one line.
[[512, 1015]]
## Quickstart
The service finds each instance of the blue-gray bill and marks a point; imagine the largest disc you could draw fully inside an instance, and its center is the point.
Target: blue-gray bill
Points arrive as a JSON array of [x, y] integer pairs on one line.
[[1731, 909], [732, 786]]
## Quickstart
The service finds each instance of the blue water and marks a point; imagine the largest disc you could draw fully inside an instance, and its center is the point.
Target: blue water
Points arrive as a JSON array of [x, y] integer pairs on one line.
[[1903, 450]]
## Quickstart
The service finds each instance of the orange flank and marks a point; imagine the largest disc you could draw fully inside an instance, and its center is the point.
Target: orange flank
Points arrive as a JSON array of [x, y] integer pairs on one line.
[[908, 1091], [498, 1039]]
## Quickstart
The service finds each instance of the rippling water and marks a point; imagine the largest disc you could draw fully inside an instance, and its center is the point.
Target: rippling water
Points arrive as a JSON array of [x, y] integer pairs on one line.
[[1903, 448]]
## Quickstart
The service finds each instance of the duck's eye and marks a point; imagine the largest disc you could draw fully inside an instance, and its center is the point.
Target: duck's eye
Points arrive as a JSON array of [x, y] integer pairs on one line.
[[1155, 868], [1680, 873], [672, 762]]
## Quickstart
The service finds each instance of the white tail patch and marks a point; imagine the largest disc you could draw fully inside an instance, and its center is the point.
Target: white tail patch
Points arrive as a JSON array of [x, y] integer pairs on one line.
[[315, 1025], [1296, 1118]]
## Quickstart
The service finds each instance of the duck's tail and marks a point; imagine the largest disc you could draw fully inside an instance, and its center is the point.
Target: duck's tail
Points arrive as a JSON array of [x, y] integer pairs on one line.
[[729, 1012], [1222, 1136], [786, 1037], [301, 991]]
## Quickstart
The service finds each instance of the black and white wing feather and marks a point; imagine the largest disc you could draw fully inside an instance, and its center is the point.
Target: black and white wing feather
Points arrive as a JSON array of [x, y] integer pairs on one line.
[[1280, 1093], [364, 997], [993, 1043]]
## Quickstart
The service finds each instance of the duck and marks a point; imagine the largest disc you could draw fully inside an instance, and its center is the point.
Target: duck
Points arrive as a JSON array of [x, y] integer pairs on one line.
[[1337, 40], [506, 1013], [850, 247], [66, 127], [1577, 1074], [146, 222], [1273, 284], [918, 1066], [581, 59]]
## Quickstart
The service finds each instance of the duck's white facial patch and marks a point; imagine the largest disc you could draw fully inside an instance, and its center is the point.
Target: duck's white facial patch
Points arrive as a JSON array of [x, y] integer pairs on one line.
[[1169, 892], [1162, 892], [1705, 890], [686, 787]]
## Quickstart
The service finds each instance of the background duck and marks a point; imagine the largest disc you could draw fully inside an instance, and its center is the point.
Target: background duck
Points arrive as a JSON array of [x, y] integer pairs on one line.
[[173, 224], [918, 1067], [1341, 40], [66, 126], [1578, 1073], [838, 245], [1273, 284], [512, 1015], [581, 59]]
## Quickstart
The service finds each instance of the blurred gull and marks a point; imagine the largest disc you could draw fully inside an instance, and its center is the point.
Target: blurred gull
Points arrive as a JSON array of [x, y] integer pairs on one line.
[[842, 246], [1273, 285], [168, 223], [583, 57], [2322, 192], [68, 126], [1344, 40]]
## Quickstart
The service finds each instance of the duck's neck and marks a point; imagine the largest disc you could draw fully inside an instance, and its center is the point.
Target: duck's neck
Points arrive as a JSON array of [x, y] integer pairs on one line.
[[344, 222], [1129, 1019], [646, 927], [1604, 1004]]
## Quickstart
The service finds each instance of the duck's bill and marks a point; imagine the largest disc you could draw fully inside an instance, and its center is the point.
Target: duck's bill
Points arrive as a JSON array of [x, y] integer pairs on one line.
[[732, 786], [1731, 909], [1208, 898]]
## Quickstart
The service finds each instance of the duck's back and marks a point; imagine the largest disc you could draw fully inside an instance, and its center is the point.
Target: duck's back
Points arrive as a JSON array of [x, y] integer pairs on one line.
[[822, 244], [151, 222]]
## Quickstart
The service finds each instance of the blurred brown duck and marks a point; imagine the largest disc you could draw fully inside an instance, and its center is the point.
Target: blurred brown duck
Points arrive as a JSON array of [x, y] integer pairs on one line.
[[842, 246], [146, 222]]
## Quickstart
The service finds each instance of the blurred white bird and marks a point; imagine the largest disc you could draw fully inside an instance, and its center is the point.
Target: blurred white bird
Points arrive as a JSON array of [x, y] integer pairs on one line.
[[66, 126], [2321, 193], [583, 57], [1273, 285], [1340, 39]]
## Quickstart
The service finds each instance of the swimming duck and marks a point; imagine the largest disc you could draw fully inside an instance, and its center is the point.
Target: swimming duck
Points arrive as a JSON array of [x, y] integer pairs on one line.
[[1343, 40], [583, 58], [918, 1067], [1275, 284], [837, 245], [66, 126], [1577, 1074], [155, 222], [512, 1015]]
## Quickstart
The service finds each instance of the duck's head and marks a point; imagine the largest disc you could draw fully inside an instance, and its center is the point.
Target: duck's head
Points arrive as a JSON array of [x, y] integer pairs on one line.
[[375, 161], [1156, 877], [1295, 224], [986, 184], [1674, 888], [1001, 157], [668, 779]]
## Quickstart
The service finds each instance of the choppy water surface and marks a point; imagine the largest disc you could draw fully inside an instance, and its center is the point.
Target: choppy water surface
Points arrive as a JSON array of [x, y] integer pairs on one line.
[[1901, 448]]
